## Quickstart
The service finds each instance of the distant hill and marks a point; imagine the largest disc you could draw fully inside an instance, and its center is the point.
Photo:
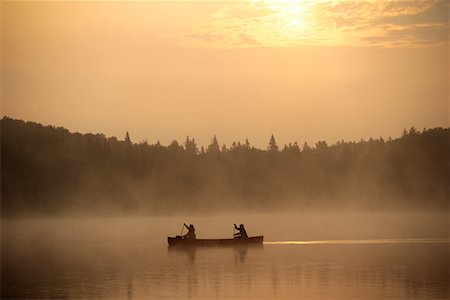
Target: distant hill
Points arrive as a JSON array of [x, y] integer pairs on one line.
[[48, 170]]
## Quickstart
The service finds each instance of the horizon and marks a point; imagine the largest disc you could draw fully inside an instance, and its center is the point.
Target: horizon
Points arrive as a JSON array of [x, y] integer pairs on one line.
[[181, 142]]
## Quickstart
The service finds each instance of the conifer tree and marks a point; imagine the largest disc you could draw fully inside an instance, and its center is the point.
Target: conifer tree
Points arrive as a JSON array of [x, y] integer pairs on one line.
[[190, 146], [214, 146], [273, 147], [127, 139]]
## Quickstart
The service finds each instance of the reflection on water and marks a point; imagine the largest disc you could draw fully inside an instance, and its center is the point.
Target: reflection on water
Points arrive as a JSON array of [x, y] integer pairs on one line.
[[123, 258], [356, 242], [239, 251]]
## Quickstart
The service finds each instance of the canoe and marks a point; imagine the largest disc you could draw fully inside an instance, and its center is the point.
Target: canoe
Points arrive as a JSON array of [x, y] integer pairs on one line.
[[179, 241]]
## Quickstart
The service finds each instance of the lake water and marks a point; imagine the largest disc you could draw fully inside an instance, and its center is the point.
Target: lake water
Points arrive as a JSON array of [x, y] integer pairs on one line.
[[309, 256]]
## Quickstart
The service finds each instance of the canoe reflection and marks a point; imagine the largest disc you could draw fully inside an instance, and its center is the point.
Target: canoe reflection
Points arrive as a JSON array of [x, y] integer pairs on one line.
[[240, 252]]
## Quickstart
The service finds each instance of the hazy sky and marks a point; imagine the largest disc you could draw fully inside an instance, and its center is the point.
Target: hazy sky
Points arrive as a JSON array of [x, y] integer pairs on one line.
[[302, 70]]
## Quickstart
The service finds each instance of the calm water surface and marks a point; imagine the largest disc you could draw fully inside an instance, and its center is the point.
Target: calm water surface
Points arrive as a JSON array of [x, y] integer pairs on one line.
[[328, 256]]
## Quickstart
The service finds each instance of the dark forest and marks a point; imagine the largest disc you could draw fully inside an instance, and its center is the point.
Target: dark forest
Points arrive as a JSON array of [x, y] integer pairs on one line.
[[49, 170]]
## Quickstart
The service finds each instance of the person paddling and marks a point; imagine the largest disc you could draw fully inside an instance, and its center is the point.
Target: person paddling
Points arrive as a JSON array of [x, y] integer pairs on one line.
[[191, 232], [241, 231]]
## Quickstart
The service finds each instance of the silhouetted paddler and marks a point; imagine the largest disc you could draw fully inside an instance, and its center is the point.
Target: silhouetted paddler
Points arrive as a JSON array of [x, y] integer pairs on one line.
[[191, 232], [241, 231]]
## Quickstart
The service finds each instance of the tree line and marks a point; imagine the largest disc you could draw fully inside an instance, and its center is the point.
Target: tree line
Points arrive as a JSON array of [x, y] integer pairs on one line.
[[49, 170]]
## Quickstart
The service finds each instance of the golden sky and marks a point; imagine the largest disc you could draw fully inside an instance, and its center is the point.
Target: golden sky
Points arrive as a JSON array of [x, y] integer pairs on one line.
[[302, 70], [269, 23]]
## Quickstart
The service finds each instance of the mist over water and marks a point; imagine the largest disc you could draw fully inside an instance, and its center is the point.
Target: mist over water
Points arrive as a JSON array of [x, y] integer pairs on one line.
[[51, 171], [359, 255], [85, 216]]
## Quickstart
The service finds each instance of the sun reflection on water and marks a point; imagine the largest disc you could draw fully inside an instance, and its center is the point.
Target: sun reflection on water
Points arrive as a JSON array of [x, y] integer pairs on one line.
[[354, 242]]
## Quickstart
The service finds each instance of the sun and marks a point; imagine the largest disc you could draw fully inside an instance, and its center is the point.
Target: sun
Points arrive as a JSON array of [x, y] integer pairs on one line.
[[289, 16], [295, 22]]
